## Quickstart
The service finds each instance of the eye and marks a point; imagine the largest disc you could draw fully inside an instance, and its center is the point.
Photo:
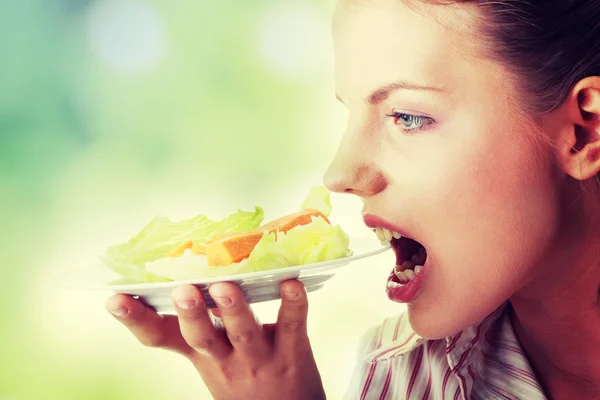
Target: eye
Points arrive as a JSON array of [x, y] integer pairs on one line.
[[410, 122]]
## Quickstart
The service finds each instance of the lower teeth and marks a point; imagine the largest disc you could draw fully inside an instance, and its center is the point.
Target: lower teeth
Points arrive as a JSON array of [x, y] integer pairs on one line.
[[406, 275]]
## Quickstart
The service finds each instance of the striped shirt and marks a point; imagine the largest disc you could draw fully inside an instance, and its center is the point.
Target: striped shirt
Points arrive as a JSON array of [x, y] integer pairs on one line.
[[482, 362]]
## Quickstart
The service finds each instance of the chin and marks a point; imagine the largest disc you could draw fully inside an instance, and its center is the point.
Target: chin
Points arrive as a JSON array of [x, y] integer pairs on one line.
[[433, 326], [429, 329]]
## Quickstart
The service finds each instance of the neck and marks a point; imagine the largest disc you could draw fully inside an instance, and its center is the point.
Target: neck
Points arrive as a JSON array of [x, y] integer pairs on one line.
[[564, 352], [557, 313]]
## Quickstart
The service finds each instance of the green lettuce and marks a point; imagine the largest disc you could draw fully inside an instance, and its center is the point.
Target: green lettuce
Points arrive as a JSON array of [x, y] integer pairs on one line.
[[318, 199], [162, 235], [305, 244]]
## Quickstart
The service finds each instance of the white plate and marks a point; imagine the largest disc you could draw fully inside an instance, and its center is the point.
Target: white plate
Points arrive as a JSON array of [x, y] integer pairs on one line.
[[256, 286]]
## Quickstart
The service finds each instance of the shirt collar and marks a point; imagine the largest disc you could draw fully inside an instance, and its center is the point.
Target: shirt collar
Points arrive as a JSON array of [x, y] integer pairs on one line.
[[395, 337]]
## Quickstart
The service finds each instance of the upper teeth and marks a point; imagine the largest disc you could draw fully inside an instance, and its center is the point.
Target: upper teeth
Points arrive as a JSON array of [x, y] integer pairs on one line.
[[385, 235]]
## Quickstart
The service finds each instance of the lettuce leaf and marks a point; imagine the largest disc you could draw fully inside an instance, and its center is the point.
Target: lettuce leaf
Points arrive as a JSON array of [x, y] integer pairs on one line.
[[162, 235], [306, 244], [314, 242], [193, 266], [142, 258], [318, 199]]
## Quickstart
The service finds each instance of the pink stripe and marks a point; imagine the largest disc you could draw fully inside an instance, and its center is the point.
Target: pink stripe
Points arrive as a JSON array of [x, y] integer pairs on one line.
[[466, 353], [397, 327], [499, 391], [373, 366], [415, 371], [365, 390], [445, 382], [509, 347], [457, 393], [381, 333], [450, 347], [470, 369], [500, 342], [511, 370], [478, 335], [412, 335], [463, 382], [460, 362], [386, 385], [428, 388]]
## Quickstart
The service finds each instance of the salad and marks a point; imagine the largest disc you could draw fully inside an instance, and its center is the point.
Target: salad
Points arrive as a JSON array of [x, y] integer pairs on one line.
[[199, 247]]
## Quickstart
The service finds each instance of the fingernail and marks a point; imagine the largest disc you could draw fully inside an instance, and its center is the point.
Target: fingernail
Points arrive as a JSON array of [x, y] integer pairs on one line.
[[186, 304], [119, 312], [291, 295], [223, 301]]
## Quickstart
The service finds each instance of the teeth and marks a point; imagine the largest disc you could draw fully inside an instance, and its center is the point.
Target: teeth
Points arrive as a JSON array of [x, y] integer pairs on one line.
[[408, 274], [385, 235], [388, 234], [401, 276]]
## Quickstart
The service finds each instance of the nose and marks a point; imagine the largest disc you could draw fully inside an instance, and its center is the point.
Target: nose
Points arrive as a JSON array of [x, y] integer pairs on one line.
[[355, 168]]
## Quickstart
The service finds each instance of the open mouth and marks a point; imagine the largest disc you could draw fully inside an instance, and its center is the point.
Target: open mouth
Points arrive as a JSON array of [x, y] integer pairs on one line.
[[410, 255]]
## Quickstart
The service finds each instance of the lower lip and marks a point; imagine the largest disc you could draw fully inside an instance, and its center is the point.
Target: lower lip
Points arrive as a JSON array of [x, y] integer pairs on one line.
[[407, 292]]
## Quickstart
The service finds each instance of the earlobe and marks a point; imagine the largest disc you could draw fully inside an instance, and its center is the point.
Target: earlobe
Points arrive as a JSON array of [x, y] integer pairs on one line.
[[580, 149]]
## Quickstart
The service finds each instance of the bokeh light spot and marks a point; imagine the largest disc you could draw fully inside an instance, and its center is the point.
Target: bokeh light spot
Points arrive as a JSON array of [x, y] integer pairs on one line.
[[294, 40], [127, 34]]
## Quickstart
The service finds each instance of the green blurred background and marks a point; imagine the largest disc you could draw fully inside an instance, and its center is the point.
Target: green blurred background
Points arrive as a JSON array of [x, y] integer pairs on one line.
[[113, 111]]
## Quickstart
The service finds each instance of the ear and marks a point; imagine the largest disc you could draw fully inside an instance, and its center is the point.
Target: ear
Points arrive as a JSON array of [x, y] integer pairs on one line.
[[578, 147]]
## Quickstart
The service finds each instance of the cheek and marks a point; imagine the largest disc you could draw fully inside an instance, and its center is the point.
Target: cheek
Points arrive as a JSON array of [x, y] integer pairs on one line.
[[495, 200], [488, 215]]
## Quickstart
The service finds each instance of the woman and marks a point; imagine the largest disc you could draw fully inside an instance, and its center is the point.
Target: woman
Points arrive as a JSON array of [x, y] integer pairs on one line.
[[475, 131]]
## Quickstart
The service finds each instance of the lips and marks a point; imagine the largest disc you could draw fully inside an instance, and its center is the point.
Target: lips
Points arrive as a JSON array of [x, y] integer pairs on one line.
[[374, 221], [407, 275]]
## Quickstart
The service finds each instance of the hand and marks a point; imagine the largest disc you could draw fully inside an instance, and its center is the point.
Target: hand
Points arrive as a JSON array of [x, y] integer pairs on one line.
[[236, 355]]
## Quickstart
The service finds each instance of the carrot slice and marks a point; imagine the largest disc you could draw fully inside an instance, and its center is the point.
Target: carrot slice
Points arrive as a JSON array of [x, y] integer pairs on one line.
[[230, 248], [178, 251]]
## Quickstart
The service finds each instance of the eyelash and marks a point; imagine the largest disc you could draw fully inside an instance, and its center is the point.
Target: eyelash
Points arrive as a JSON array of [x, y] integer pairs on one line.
[[426, 121]]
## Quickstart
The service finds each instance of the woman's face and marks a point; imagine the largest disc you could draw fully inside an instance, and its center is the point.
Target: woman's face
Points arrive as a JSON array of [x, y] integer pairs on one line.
[[436, 150]]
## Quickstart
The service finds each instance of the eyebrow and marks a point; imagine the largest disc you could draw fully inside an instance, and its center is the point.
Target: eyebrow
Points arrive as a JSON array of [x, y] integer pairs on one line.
[[384, 92]]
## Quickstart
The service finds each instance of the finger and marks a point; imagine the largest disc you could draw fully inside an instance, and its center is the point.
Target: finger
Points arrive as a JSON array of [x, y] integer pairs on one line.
[[150, 328], [290, 329], [216, 312], [196, 324], [243, 329]]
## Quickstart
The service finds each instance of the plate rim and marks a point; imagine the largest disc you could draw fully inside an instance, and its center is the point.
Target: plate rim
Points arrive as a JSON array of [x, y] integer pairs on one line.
[[229, 278]]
